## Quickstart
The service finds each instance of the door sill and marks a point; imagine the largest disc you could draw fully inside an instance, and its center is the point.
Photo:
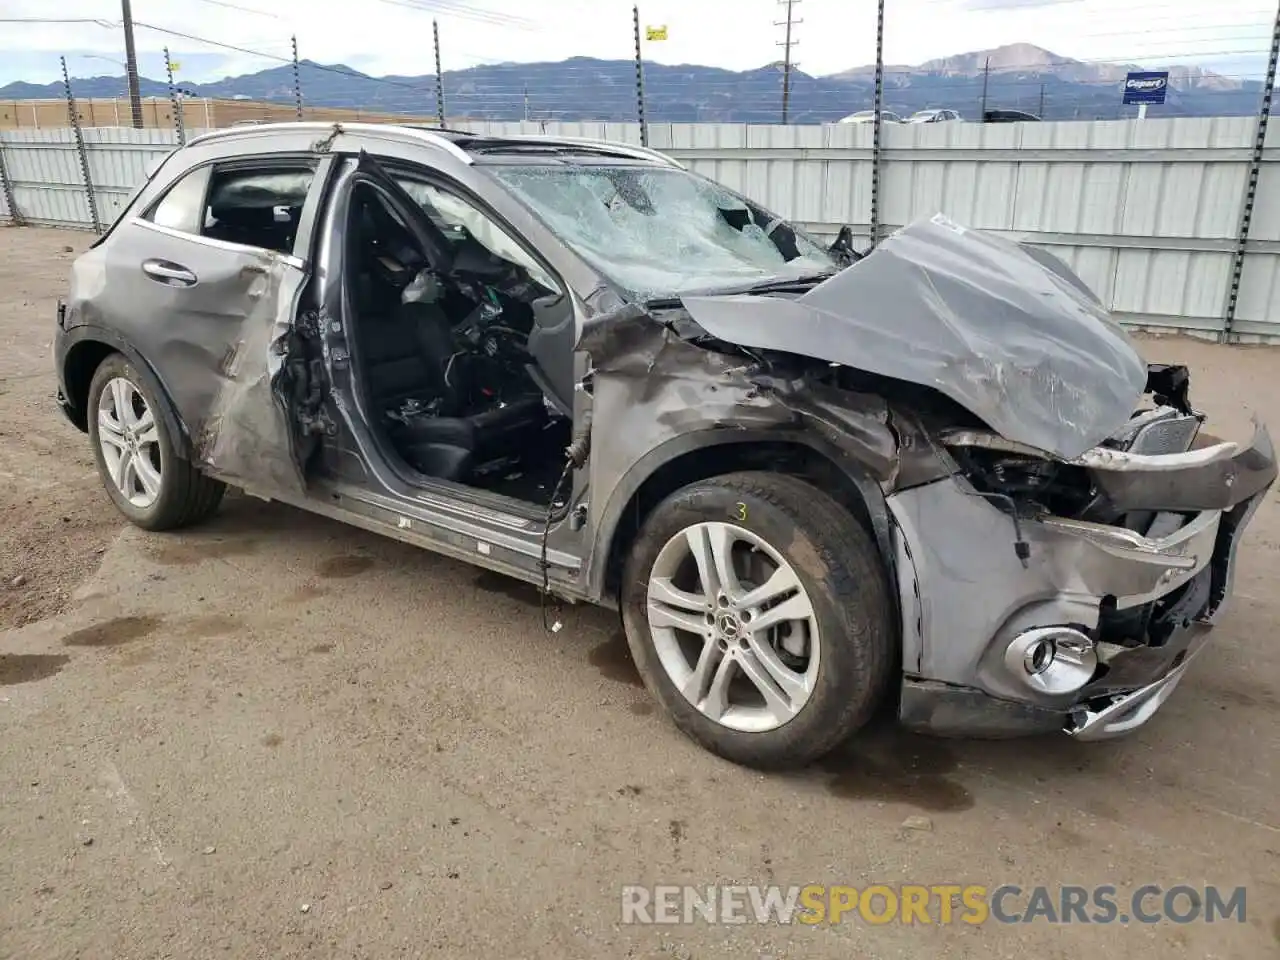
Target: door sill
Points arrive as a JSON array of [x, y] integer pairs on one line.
[[439, 493]]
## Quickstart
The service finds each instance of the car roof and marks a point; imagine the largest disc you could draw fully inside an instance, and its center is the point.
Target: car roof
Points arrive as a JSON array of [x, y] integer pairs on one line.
[[463, 145]]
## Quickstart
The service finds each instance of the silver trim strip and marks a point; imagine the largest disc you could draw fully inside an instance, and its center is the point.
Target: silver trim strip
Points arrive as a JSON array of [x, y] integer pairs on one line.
[[476, 513], [1119, 461], [625, 149], [1130, 544], [1100, 458], [392, 131], [288, 258]]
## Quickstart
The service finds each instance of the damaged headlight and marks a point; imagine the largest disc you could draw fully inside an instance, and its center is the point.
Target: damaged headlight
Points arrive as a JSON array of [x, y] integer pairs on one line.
[[1032, 482]]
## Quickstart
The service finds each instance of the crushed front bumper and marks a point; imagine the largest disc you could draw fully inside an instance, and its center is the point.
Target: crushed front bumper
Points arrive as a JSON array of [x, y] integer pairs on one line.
[[1123, 713], [1138, 606]]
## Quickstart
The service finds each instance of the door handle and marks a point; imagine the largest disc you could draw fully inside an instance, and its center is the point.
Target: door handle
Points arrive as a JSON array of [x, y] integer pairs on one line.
[[168, 272]]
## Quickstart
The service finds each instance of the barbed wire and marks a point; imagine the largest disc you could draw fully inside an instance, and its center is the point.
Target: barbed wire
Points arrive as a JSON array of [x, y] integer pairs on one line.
[[513, 89]]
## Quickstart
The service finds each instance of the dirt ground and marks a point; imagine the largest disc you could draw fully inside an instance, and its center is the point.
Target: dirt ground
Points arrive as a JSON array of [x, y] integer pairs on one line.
[[274, 736]]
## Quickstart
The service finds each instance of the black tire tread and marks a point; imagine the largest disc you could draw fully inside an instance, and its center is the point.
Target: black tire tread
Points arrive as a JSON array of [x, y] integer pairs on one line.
[[198, 500], [191, 495], [853, 560], [856, 579]]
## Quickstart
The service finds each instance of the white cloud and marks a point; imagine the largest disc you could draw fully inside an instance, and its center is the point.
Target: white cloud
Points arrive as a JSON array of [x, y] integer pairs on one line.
[[387, 36]]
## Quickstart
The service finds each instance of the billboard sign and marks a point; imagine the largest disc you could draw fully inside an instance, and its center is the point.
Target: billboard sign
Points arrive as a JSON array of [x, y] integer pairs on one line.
[[1146, 86]]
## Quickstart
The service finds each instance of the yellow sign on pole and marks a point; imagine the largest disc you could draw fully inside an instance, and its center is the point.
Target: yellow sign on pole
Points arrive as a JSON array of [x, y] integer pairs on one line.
[[175, 65], [656, 33]]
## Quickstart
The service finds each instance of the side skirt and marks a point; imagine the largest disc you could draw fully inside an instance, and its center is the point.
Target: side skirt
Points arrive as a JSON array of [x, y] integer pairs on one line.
[[504, 543]]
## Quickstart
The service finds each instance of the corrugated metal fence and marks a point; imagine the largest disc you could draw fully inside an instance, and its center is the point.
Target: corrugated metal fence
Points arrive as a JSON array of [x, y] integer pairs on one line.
[[1146, 211]]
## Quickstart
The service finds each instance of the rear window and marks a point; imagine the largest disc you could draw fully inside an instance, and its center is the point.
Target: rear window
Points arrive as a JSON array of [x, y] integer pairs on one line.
[[127, 210], [182, 207], [255, 206]]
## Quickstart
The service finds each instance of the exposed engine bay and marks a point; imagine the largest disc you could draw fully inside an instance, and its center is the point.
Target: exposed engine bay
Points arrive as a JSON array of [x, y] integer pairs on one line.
[[443, 352], [1038, 484]]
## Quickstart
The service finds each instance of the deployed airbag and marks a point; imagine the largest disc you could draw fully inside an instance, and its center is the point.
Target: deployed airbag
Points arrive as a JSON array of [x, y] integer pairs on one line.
[[1005, 330]]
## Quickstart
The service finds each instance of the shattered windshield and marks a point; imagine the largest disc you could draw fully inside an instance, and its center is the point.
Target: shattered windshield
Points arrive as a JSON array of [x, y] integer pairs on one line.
[[661, 232]]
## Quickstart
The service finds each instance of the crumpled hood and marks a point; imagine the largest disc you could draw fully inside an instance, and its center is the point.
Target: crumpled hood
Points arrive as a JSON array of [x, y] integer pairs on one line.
[[1006, 330]]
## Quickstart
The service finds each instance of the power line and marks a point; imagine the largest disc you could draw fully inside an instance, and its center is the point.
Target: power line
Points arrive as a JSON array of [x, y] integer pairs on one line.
[[109, 24], [463, 11], [349, 74], [236, 6]]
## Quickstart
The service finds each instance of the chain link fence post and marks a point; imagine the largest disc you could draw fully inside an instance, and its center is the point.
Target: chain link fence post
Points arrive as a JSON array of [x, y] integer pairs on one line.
[[435, 35], [877, 123], [80, 148], [297, 78], [644, 127], [179, 121], [15, 216], [1251, 186]]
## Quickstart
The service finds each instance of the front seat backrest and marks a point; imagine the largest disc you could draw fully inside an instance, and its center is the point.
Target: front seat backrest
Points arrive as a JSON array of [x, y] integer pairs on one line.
[[551, 343]]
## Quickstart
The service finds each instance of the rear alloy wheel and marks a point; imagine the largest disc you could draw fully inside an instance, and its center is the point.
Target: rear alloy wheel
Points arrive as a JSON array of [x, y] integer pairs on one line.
[[129, 441], [757, 610], [143, 474]]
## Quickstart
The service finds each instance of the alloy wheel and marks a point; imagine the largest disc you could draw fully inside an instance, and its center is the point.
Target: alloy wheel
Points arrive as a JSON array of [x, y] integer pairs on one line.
[[130, 442], [733, 627]]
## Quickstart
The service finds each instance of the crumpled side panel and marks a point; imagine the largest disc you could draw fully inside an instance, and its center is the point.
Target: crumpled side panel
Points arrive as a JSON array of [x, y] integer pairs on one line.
[[1009, 333], [247, 438], [650, 386]]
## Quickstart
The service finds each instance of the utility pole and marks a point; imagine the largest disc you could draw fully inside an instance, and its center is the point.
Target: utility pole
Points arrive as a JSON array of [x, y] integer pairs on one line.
[[526, 103], [435, 33], [877, 121], [297, 78], [787, 43], [986, 75], [1041, 113], [131, 64], [178, 119], [644, 129]]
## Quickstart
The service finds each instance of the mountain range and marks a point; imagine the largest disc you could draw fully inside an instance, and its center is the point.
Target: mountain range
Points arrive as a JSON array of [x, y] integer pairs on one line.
[[1017, 76]]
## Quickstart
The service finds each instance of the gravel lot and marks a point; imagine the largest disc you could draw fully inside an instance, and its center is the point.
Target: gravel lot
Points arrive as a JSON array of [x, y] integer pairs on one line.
[[275, 736]]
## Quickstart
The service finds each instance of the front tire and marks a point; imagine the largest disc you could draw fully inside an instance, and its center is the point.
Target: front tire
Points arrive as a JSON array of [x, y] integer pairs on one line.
[[145, 477], [757, 611]]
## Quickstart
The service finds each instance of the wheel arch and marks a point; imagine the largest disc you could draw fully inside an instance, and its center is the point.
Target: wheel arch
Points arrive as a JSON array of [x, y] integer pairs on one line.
[[705, 454], [86, 349]]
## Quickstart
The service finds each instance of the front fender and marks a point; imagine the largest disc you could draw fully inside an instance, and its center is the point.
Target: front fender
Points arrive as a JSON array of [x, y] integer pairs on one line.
[[624, 493]]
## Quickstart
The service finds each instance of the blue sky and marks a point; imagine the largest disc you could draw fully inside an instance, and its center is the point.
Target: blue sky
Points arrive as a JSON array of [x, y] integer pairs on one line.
[[394, 36]]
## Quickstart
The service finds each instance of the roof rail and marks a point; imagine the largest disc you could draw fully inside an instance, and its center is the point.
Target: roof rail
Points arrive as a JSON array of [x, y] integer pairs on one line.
[[625, 149], [386, 129]]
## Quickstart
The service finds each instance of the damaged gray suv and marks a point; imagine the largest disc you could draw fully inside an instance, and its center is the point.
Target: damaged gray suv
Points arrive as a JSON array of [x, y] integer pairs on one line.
[[936, 476]]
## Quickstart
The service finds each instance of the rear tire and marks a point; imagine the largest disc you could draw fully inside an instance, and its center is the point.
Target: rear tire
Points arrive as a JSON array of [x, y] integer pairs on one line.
[[821, 663], [141, 469]]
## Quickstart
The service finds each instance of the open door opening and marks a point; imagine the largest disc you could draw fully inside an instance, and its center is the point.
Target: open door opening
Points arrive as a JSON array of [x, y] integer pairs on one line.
[[443, 312]]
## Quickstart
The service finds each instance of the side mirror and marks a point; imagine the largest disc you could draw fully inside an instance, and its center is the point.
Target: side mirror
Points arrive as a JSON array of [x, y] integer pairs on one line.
[[841, 248]]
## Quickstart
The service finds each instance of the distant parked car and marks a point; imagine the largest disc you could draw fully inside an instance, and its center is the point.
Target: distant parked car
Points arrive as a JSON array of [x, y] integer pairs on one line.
[[934, 116], [1008, 116], [868, 116]]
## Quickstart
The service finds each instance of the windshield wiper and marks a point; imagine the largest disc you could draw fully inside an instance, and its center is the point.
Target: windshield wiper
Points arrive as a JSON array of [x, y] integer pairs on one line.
[[794, 283]]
